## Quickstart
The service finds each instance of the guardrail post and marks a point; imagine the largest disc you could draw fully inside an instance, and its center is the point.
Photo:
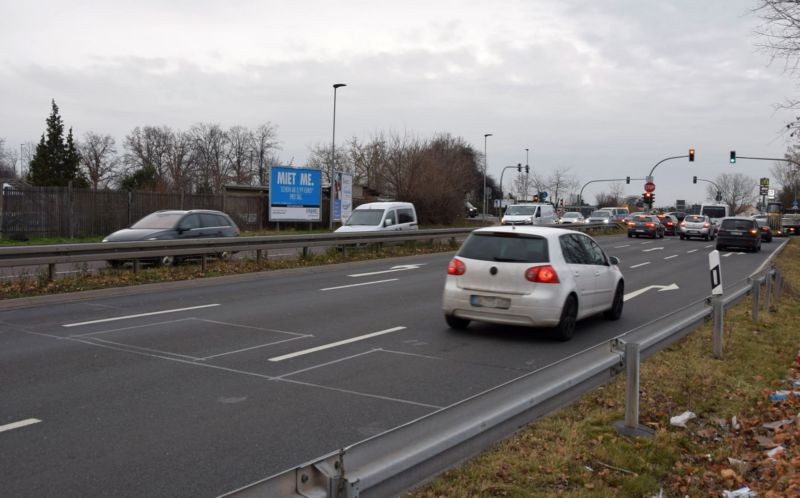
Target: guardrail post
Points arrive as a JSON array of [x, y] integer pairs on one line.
[[258, 256], [305, 252], [755, 295], [204, 263], [630, 426], [718, 310], [136, 266], [51, 272], [778, 286], [768, 290]]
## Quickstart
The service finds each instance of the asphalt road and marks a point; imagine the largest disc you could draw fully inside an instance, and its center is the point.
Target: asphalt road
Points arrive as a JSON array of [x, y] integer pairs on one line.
[[205, 387]]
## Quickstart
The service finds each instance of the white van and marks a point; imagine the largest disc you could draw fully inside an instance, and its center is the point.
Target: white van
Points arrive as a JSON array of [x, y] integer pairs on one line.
[[715, 212], [380, 216], [619, 213], [529, 214]]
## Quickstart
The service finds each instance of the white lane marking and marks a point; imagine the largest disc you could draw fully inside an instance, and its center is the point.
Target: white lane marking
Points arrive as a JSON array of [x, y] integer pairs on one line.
[[620, 247], [693, 250], [390, 270], [728, 255], [648, 242], [653, 249], [640, 264], [673, 256], [357, 285], [335, 344], [17, 425], [661, 288], [127, 317], [709, 245]]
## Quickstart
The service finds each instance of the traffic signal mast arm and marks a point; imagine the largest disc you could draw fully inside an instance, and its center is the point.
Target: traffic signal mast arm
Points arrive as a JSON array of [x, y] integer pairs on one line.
[[719, 190], [669, 158], [580, 196], [519, 168], [769, 159]]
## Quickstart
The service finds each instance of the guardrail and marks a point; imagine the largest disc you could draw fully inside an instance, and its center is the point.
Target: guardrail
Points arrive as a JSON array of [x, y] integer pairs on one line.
[[51, 255], [390, 463]]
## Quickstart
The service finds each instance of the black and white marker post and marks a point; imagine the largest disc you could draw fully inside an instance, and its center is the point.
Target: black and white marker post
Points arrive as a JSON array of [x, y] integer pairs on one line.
[[716, 301]]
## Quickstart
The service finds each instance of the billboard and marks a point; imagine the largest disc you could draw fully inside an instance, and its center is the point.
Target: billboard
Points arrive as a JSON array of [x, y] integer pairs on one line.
[[342, 196], [295, 194]]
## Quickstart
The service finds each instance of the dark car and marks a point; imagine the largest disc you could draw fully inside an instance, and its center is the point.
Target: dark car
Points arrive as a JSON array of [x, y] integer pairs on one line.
[[678, 214], [645, 224], [670, 223], [763, 226], [739, 232], [167, 225]]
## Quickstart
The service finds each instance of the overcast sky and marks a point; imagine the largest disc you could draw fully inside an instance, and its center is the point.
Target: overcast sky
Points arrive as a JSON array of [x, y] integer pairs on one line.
[[604, 88]]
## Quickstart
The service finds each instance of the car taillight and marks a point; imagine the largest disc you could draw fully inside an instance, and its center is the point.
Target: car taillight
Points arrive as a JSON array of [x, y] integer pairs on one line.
[[456, 267], [765, 228], [542, 274], [706, 225], [651, 225], [753, 231], [630, 224], [669, 223], [683, 223]]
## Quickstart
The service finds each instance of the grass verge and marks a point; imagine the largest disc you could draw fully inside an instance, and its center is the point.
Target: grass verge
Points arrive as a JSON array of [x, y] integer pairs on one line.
[[576, 452]]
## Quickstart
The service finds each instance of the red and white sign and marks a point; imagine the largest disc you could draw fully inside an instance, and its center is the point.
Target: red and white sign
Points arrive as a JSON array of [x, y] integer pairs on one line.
[[649, 187]]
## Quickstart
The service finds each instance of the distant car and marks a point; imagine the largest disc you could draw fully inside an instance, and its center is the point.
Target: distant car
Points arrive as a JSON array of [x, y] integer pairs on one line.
[[471, 210], [763, 226], [572, 217], [697, 225], [601, 216], [645, 224], [678, 214], [740, 232], [381, 217], [670, 223], [619, 213], [531, 276], [167, 225]]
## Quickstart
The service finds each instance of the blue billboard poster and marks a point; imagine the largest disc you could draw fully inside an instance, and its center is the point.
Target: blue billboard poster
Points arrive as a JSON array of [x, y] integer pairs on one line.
[[342, 196], [295, 194]]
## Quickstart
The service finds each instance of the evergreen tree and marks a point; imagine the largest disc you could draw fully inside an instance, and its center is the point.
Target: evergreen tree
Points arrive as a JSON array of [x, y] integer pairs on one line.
[[56, 162]]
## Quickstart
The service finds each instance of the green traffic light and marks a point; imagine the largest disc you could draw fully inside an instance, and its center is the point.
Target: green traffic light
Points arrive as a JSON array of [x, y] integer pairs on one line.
[[733, 157]]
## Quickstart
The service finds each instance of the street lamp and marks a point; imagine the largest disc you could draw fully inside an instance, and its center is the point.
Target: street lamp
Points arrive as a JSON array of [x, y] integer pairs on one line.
[[485, 136], [336, 86]]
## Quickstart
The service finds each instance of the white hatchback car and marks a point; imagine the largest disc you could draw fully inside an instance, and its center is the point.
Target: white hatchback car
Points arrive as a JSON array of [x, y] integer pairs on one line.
[[531, 276]]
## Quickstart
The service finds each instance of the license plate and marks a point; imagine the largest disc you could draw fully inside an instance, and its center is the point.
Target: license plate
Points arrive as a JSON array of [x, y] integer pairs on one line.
[[736, 233], [693, 231], [490, 302]]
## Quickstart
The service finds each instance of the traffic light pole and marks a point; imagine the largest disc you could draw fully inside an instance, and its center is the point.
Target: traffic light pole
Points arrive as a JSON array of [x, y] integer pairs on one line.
[[580, 196], [769, 159], [719, 190], [664, 160], [519, 168]]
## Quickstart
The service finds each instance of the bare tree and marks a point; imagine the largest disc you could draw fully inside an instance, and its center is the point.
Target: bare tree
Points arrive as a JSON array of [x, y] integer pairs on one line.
[[99, 158], [210, 146], [737, 189], [265, 144], [147, 150], [560, 184], [8, 159], [179, 163], [240, 155]]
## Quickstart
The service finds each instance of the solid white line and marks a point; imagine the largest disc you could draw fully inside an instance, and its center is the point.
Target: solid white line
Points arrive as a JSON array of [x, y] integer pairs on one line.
[[693, 250], [138, 315], [335, 344], [620, 247], [640, 264], [673, 256], [356, 285], [17, 425]]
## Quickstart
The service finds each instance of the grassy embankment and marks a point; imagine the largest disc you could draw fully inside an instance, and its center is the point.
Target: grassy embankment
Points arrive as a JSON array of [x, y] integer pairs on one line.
[[576, 452]]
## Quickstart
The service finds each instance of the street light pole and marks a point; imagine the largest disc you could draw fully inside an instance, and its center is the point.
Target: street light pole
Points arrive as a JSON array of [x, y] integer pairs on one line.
[[485, 136], [336, 86], [527, 169]]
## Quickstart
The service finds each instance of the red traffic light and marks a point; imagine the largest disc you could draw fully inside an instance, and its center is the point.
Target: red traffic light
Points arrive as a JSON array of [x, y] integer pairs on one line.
[[691, 155]]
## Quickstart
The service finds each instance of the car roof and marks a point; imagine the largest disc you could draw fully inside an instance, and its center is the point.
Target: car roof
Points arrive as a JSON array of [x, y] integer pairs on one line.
[[384, 205], [548, 232], [185, 211]]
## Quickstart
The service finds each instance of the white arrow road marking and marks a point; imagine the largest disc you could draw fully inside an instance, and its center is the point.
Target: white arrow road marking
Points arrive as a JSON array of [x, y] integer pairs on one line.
[[653, 249], [640, 264], [661, 288], [335, 344], [17, 425], [390, 270]]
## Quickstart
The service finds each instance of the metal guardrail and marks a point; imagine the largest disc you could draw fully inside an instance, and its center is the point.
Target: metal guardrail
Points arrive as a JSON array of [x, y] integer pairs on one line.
[[141, 250], [390, 463]]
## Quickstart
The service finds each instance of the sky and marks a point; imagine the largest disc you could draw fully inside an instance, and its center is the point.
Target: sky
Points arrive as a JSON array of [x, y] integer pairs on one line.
[[599, 89]]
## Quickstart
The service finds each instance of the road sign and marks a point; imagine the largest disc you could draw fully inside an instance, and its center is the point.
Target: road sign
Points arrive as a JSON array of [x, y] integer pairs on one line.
[[649, 187]]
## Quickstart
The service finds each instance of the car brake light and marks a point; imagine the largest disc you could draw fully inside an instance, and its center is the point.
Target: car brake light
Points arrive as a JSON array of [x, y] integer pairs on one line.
[[683, 223], [456, 267], [669, 223], [651, 225], [630, 223], [542, 274], [706, 225]]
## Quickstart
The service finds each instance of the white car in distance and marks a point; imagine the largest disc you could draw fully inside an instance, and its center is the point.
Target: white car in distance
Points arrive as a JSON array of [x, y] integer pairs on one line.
[[572, 217], [531, 276]]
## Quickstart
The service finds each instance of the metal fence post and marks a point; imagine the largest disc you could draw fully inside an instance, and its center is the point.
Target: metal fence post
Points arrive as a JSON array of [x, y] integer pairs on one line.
[[718, 311], [778, 286], [768, 290], [630, 426], [755, 294]]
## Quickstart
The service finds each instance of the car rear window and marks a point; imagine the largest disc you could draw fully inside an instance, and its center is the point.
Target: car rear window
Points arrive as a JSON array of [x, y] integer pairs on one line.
[[737, 224], [505, 247], [695, 219]]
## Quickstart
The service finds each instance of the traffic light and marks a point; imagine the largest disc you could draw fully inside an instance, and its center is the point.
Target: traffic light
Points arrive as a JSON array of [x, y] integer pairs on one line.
[[694, 180], [628, 180], [536, 198], [647, 197], [527, 169], [519, 168], [733, 157], [652, 198], [691, 155]]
